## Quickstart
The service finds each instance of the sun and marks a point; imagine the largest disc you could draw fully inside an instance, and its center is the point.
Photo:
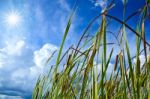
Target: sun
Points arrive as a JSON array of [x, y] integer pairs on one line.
[[13, 18]]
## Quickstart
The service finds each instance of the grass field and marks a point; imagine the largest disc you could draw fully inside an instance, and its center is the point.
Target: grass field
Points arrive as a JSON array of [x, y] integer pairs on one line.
[[84, 74]]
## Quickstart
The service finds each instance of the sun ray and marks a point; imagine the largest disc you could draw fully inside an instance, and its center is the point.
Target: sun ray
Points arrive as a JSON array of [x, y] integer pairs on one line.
[[12, 19]]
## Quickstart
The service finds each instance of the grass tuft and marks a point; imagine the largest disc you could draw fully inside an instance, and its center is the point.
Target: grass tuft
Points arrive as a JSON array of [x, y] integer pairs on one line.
[[86, 74]]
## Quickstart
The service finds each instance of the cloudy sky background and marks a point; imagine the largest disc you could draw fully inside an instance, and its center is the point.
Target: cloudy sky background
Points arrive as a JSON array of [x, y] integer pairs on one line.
[[25, 48]]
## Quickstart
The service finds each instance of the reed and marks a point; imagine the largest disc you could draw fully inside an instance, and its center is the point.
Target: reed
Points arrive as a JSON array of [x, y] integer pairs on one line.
[[84, 75]]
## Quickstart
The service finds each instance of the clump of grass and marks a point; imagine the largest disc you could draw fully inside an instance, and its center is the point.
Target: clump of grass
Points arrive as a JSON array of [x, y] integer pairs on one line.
[[80, 78]]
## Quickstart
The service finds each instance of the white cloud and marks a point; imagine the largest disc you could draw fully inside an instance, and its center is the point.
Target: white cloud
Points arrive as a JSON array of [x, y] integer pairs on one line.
[[100, 3], [13, 48], [40, 56], [109, 69]]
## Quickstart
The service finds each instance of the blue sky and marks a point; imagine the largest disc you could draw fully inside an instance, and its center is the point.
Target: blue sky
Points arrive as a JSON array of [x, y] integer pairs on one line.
[[25, 47]]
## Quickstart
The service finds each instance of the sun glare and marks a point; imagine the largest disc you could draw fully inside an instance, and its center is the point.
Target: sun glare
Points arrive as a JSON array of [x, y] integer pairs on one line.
[[12, 19]]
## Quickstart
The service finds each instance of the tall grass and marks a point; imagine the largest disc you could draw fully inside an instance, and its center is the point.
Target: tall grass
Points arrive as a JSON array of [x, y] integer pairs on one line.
[[84, 75]]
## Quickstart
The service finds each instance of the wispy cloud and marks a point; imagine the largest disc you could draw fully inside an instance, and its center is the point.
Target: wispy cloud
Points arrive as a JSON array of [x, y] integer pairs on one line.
[[64, 5], [15, 48], [100, 3]]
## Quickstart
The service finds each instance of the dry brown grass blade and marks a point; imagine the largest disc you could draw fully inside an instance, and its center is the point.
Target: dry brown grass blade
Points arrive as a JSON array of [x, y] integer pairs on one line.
[[116, 62]]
